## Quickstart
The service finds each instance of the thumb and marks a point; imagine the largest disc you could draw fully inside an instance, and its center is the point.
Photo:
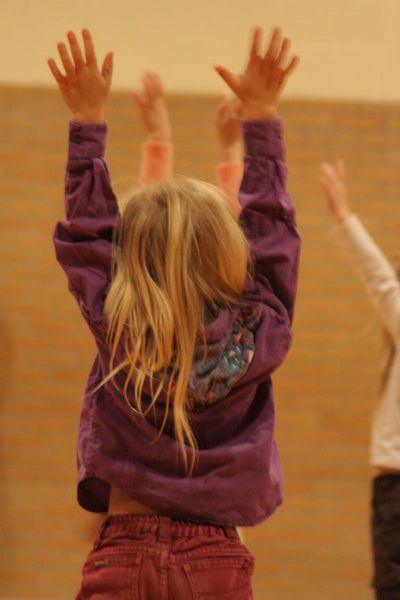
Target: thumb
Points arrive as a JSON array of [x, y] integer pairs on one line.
[[230, 79]]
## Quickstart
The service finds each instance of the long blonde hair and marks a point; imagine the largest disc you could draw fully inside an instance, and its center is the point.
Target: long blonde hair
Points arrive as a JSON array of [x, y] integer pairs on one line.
[[181, 257]]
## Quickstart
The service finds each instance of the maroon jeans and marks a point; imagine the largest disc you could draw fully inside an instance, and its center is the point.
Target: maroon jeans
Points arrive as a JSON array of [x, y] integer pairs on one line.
[[143, 557]]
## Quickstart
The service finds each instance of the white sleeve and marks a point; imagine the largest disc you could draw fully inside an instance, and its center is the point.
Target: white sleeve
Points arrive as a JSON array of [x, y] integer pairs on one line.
[[375, 271]]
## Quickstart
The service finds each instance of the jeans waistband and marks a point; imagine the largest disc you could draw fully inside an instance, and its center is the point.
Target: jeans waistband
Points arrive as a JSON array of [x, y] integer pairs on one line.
[[163, 527]]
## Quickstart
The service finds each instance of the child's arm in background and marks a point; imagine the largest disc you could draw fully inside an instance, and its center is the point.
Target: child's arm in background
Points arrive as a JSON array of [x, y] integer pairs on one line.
[[376, 273], [230, 172], [267, 211], [83, 241], [157, 152]]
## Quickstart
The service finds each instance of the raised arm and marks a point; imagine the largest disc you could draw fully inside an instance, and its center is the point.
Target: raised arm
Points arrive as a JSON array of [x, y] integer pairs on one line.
[[267, 211], [230, 172], [83, 241], [375, 271], [157, 152]]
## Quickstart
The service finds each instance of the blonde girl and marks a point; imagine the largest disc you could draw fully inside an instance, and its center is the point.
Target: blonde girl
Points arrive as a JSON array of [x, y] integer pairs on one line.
[[191, 312]]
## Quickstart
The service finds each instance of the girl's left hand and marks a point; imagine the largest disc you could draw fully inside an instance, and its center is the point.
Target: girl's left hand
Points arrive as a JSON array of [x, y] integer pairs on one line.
[[84, 87]]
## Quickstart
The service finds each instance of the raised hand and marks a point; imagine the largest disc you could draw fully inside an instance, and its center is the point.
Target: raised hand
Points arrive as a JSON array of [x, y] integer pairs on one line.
[[153, 108], [260, 85], [84, 86], [333, 182], [227, 125]]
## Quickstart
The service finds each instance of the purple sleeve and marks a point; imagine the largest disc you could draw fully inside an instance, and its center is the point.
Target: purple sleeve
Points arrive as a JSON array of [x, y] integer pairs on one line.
[[83, 241], [268, 217]]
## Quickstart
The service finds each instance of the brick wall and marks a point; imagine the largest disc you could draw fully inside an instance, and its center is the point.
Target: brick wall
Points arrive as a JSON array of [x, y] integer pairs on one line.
[[317, 545]]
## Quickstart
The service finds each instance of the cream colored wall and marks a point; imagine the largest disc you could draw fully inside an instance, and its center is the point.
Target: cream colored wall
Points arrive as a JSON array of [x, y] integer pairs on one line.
[[349, 48]]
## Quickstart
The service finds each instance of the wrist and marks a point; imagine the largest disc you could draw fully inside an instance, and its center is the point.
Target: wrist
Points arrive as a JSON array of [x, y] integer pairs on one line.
[[342, 214], [233, 153], [95, 116], [258, 111], [159, 137]]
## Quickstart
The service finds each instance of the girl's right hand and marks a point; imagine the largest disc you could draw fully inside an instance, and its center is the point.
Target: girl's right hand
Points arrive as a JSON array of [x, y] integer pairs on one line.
[[333, 182], [260, 85], [84, 87], [153, 108]]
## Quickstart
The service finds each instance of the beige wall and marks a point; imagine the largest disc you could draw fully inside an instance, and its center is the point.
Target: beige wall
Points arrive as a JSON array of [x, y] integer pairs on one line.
[[349, 48]]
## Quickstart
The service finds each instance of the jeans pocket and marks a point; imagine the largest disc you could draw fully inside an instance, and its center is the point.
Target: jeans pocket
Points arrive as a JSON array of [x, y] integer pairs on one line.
[[221, 578], [107, 576]]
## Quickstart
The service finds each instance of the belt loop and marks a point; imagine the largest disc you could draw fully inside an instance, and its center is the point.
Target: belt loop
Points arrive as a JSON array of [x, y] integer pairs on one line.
[[231, 533], [164, 529], [100, 534]]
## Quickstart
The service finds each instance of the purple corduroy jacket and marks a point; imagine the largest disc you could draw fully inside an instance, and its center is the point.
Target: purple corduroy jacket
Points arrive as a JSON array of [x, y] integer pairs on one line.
[[238, 478]]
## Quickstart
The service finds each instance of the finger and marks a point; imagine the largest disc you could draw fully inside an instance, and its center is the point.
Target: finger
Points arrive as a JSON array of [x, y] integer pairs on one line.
[[150, 87], [327, 171], [157, 83], [90, 53], [221, 110], [139, 100], [322, 180], [66, 59], [223, 102], [231, 107], [255, 45], [329, 194], [147, 88], [107, 68], [291, 66], [75, 50], [230, 79], [58, 76], [222, 114], [326, 167], [235, 104], [326, 183], [274, 44], [282, 55]]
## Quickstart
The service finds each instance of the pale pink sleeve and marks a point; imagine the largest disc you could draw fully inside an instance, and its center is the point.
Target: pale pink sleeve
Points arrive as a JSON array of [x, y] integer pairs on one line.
[[156, 162], [229, 177]]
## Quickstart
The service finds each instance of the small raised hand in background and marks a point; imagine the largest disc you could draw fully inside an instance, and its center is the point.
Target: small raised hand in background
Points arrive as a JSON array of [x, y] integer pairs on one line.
[[227, 125], [84, 86], [333, 182], [230, 172], [153, 108], [157, 157]]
